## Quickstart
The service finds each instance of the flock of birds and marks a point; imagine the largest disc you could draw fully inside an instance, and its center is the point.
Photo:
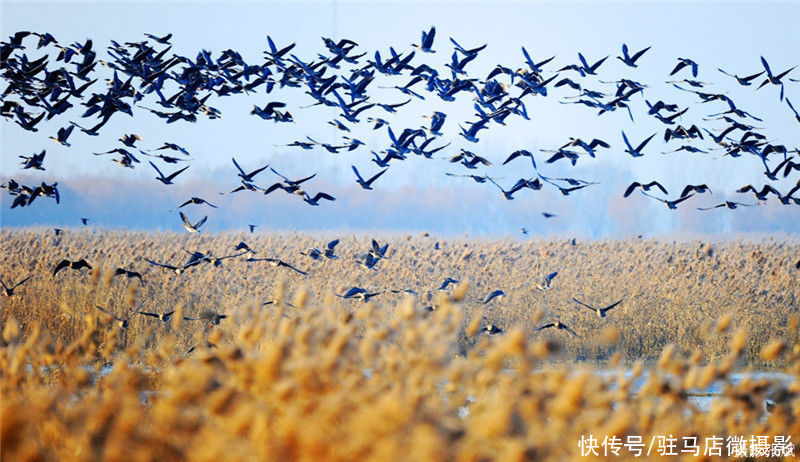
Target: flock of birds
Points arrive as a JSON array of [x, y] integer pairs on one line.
[[375, 253], [146, 73]]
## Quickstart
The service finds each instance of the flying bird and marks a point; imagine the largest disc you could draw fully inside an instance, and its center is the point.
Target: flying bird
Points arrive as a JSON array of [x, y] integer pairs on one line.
[[368, 183], [631, 60], [9, 291], [167, 179], [560, 326], [76, 265], [198, 201], [129, 274], [547, 281], [600, 311], [188, 226], [638, 151], [494, 294], [645, 187]]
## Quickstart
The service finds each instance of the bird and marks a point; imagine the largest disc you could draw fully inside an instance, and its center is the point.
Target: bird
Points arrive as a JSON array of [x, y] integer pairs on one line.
[[494, 294], [167, 179], [367, 184], [123, 323], [774, 79], [729, 204], [330, 248], [698, 188], [600, 311], [176, 270], [212, 317], [638, 151], [744, 81], [760, 195], [315, 199], [252, 228], [447, 282], [129, 274], [631, 60], [672, 205], [62, 135], [796, 115], [276, 263], [197, 200], [492, 329], [359, 293], [34, 161], [163, 317], [645, 187], [684, 62], [547, 281], [558, 325], [248, 177], [76, 265], [9, 291], [188, 226], [84, 221], [426, 42], [521, 152], [130, 140]]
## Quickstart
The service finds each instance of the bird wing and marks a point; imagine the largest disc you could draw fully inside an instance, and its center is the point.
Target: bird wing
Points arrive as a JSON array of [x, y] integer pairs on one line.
[[584, 304], [611, 306], [161, 175], [60, 265], [20, 282], [546, 326], [174, 174], [200, 223], [631, 188], [185, 220]]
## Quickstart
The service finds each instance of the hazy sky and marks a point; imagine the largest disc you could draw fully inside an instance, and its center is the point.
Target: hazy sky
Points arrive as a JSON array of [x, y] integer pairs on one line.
[[415, 194]]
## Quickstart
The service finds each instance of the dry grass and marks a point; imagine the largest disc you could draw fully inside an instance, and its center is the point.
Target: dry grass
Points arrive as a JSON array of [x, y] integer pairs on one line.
[[333, 379]]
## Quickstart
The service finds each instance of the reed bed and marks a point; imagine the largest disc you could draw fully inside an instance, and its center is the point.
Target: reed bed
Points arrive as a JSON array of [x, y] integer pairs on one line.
[[311, 376]]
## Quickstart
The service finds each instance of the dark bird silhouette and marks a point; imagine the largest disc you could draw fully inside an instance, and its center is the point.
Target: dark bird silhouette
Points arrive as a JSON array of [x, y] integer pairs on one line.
[[760, 195], [774, 79], [368, 183], [130, 140], [600, 311], [684, 62], [248, 177], [558, 325], [631, 60], [76, 265], [8, 290], [645, 187], [494, 294], [359, 293], [521, 153], [177, 270], [697, 188], [426, 42], [638, 151], [744, 81], [163, 317], [330, 249], [277, 263], [198, 201], [672, 205], [129, 274], [729, 204], [316, 198], [167, 179], [62, 135], [446, 283]]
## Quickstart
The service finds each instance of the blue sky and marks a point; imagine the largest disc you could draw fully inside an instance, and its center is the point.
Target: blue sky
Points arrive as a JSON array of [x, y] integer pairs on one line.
[[415, 194]]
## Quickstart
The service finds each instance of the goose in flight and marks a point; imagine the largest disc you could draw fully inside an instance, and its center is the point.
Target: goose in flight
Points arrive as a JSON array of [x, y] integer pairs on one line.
[[212, 317], [315, 199], [558, 325], [198, 201], [744, 81], [129, 274], [163, 317], [684, 62], [62, 135], [130, 140], [9, 291], [277, 263], [166, 179], [34, 161], [600, 311], [123, 323], [521, 153], [628, 59], [247, 177], [672, 205], [729, 204], [547, 281], [76, 265], [426, 42], [359, 293], [447, 282], [774, 79], [177, 270], [192, 228], [645, 187], [368, 183], [638, 151], [760, 195], [494, 294]]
